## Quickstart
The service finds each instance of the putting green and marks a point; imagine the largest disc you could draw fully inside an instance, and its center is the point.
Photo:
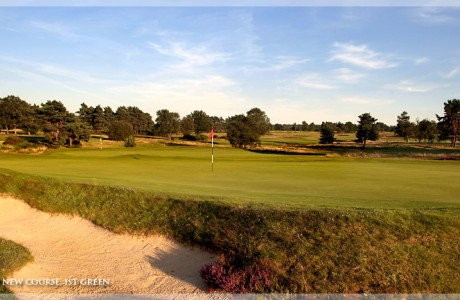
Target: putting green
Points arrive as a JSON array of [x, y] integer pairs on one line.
[[245, 177]]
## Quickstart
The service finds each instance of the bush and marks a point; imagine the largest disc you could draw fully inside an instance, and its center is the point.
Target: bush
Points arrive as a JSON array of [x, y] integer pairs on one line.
[[327, 133], [120, 130], [188, 137], [202, 138], [224, 276], [25, 145], [130, 142], [13, 140]]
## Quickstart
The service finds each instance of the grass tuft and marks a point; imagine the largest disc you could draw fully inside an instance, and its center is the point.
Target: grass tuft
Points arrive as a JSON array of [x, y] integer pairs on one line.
[[12, 257]]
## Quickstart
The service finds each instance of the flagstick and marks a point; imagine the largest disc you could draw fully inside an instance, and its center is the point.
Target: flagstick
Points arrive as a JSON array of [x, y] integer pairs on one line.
[[212, 151]]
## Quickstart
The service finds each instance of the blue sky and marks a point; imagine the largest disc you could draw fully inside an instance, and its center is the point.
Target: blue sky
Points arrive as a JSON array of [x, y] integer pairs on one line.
[[296, 63]]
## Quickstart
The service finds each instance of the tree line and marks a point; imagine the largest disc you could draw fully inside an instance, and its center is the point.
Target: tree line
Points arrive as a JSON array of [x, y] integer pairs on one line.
[[62, 127], [446, 127]]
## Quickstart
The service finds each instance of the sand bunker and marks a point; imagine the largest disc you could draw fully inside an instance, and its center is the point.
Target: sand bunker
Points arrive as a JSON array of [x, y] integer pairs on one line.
[[84, 257]]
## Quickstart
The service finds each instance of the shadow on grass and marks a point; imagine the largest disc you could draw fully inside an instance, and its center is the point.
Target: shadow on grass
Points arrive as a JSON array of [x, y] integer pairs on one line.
[[283, 152]]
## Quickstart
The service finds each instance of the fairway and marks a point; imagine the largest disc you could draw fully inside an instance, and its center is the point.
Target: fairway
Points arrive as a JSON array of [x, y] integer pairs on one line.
[[286, 181]]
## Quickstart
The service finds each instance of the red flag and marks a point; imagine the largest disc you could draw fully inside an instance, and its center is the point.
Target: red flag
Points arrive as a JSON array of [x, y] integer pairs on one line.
[[211, 134]]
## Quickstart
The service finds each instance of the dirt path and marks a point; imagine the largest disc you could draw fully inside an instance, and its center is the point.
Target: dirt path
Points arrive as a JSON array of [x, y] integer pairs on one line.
[[67, 247]]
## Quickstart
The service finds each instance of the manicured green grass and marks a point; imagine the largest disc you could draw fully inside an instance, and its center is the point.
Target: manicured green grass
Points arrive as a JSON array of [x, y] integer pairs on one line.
[[12, 257], [277, 138], [240, 176]]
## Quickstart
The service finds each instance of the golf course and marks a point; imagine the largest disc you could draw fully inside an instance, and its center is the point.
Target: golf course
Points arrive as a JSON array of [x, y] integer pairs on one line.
[[242, 177], [335, 219]]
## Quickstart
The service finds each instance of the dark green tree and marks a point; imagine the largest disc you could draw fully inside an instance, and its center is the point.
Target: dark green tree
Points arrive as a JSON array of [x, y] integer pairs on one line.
[[75, 132], [167, 123], [449, 124], [187, 126], [202, 122], [122, 114], [366, 129], [313, 127], [14, 113], [304, 126], [137, 119], [259, 120], [426, 130], [109, 115], [240, 133], [380, 126], [404, 127], [54, 115], [142, 122], [349, 127], [120, 130], [244, 131], [278, 127], [32, 124], [85, 114], [98, 120], [327, 133]]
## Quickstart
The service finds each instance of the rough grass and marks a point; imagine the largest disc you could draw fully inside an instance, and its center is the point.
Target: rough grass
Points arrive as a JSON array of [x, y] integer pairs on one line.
[[342, 250], [12, 257]]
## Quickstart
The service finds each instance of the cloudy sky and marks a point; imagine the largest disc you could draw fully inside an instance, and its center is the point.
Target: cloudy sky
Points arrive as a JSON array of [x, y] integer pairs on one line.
[[296, 63]]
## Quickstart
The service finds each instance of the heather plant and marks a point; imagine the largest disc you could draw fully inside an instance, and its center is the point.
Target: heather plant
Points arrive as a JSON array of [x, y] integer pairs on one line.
[[226, 276]]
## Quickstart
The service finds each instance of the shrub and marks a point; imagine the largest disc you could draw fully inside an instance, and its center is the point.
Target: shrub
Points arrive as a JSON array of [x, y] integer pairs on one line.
[[13, 140], [188, 137], [25, 145], [120, 130], [130, 142], [223, 275], [201, 138]]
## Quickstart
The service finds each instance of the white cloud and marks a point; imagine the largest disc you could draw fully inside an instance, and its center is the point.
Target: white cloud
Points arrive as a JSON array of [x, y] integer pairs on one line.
[[58, 29], [410, 87], [436, 15], [421, 60], [71, 74], [188, 56], [284, 110], [283, 63], [212, 93], [44, 81], [56, 71], [452, 73], [314, 81], [365, 101], [247, 37], [348, 75], [360, 56], [9, 29]]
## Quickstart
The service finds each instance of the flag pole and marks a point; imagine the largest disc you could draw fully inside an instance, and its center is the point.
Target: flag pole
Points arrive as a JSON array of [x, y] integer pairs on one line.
[[212, 150]]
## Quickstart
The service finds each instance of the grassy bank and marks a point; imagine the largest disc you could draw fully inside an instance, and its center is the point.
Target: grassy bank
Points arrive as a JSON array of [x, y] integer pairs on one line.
[[317, 250], [12, 257]]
